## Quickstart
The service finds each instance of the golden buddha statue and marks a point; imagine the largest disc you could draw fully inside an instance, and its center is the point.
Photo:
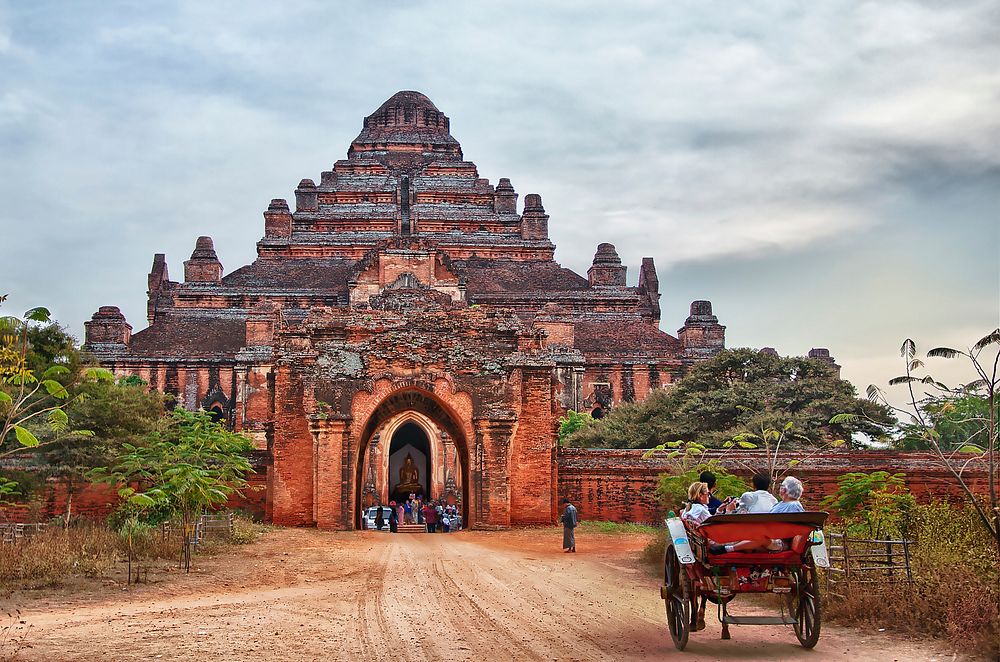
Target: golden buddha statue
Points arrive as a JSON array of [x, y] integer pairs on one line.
[[409, 476]]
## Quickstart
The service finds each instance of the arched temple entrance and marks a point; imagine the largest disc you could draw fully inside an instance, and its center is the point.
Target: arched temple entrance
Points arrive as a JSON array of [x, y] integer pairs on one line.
[[412, 425]]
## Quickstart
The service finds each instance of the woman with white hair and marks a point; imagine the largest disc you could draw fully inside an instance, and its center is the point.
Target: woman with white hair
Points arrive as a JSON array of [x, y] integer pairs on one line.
[[790, 493]]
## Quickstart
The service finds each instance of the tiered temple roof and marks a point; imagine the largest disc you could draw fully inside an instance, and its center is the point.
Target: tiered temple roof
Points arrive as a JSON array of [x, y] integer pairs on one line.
[[404, 200]]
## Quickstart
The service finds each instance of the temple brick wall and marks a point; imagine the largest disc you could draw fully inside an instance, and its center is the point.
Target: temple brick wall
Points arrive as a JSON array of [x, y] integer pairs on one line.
[[620, 485], [604, 484]]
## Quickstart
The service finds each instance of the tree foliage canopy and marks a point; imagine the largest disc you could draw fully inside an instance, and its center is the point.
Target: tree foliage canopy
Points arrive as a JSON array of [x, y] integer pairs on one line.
[[736, 390], [189, 464]]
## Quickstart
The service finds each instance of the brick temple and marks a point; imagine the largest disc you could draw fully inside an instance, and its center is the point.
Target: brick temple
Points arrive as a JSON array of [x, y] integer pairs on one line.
[[406, 308]]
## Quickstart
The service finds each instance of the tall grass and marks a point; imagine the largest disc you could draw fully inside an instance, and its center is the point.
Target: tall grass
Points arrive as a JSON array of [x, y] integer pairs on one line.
[[53, 555]]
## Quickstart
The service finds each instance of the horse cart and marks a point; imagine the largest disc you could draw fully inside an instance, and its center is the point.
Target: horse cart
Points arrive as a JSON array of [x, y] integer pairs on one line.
[[692, 576]]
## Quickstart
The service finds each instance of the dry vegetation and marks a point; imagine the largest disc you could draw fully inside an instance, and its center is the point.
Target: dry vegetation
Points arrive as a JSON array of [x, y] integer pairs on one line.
[[954, 591], [56, 556]]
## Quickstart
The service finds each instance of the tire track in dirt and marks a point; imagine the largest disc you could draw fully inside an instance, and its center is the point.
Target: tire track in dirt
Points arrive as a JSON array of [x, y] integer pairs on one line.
[[466, 603], [370, 623]]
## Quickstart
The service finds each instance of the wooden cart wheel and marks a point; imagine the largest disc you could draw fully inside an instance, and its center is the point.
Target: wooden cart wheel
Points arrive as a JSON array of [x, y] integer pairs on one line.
[[678, 598], [804, 605]]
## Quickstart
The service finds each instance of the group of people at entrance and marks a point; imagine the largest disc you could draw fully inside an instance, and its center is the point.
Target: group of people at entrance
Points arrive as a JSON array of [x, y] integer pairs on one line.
[[434, 514]]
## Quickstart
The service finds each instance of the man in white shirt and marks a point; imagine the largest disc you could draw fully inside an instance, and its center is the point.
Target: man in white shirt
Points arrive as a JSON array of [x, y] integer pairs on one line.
[[758, 501]]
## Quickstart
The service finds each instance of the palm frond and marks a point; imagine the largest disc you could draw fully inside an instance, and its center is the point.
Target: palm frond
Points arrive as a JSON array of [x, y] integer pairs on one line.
[[944, 352], [873, 392], [992, 337], [908, 349], [902, 380]]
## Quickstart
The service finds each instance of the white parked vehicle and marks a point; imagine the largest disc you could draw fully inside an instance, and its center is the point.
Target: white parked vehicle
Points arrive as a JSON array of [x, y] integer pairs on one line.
[[369, 517]]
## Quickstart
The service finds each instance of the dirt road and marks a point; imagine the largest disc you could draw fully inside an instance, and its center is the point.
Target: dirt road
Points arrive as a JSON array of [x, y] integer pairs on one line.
[[310, 595]]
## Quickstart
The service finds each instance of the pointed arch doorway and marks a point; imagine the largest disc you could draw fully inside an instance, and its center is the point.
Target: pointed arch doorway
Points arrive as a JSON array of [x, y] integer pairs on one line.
[[413, 423]]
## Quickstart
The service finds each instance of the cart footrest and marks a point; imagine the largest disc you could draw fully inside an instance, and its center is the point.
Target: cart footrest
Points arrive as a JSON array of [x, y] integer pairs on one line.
[[759, 620]]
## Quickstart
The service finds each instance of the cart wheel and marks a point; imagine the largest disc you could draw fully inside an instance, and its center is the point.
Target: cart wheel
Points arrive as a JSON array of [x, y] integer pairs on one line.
[[678, 599], [804, 605]]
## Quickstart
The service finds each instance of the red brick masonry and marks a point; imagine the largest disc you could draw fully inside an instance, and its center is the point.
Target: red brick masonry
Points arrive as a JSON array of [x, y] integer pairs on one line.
[[620, 485]]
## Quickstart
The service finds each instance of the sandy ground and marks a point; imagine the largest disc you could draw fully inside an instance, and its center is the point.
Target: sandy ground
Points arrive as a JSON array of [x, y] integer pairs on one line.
[[301, 594]]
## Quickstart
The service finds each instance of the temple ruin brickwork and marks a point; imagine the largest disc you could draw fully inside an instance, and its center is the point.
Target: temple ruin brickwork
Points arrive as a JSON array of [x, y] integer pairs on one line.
[[405, 306]]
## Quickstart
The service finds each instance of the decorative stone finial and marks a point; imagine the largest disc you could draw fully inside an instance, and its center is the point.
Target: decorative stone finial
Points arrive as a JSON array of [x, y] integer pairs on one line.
[[277, 220], [701, 311], [204, 265], [702, 335], [157, 281], [823, 354], [305, 196], [607, 269], [534, 220], [107, 326], [533, 203], [506, 197]]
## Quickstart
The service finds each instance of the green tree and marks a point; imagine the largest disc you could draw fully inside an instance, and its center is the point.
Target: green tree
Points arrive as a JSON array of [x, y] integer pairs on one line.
[[189, 465], [50, 344], [878, 502], [672, 488], [115, 414], [957, 419], [735, 391], [30, 402], [572, 422]]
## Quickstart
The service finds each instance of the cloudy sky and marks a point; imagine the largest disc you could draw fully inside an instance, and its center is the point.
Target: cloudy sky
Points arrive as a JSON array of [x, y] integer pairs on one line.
[[827, 174]]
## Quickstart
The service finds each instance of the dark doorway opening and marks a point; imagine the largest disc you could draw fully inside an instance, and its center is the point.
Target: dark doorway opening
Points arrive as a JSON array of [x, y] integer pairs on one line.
[[409, 463]]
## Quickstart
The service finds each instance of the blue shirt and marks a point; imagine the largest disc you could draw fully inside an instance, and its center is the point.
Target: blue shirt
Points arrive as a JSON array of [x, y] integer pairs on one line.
[[788, 507]]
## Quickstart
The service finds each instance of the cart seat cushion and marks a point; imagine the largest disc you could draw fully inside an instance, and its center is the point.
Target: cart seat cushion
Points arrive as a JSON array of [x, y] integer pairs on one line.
[[756, 558]]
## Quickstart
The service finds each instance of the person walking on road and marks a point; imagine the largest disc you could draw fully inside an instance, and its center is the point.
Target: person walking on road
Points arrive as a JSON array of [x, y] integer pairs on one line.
[[569, 523]]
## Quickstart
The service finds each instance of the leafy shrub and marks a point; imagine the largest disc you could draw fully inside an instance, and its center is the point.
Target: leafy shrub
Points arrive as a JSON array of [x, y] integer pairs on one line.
[[572, 422], [672, 491], [652, 553], [874, 504]]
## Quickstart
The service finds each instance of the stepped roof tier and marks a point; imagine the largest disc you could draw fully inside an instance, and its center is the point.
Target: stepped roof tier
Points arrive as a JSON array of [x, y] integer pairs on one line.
[[405, 209]]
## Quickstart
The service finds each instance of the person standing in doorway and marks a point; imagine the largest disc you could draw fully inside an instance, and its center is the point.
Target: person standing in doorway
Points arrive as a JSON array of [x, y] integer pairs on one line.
[[569, 523], [393, 517]]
